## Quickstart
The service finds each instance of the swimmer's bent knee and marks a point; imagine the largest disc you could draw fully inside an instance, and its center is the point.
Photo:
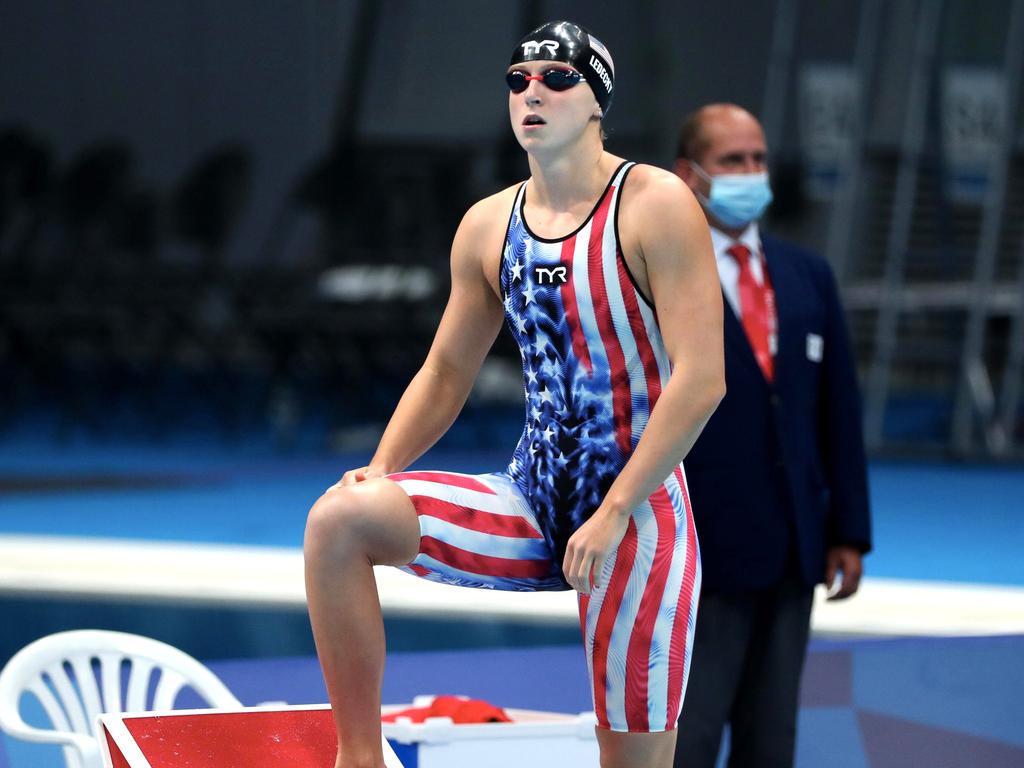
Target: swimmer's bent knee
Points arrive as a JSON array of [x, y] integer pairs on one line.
[[375, 517], [328, 519]]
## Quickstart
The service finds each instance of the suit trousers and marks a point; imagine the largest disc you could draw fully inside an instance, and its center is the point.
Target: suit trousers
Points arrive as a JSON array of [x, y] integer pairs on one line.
[[748, 656]]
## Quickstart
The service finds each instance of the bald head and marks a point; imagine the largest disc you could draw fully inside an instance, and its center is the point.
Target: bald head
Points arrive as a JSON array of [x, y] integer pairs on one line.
[[712, 123]]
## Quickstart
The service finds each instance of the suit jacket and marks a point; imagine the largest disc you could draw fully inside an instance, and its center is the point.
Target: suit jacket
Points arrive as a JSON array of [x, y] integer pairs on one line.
[[779, 471]]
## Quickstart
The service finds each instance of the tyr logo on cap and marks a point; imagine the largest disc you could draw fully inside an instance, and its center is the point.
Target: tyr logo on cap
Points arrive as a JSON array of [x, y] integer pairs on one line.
[[531, 47]]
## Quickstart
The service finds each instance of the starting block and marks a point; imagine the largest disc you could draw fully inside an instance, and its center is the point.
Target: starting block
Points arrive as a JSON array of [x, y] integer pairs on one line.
[[248, 737], [304, 737]]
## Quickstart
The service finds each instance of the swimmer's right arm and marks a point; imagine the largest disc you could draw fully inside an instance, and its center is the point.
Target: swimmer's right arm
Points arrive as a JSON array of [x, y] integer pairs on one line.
[[468, 328]]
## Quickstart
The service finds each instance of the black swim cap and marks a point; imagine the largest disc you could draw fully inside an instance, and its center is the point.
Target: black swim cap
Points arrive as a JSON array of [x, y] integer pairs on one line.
[[573, 45]]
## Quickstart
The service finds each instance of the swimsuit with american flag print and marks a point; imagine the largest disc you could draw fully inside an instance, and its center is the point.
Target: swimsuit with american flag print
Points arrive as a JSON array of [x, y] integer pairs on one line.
[[594, 365]]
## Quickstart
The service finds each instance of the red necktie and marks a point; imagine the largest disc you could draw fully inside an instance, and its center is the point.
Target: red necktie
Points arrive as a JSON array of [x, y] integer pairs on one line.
[[755, 310]]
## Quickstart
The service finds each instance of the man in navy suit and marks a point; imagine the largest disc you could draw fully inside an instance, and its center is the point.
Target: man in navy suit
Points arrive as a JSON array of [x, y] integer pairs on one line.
[[777, 479]]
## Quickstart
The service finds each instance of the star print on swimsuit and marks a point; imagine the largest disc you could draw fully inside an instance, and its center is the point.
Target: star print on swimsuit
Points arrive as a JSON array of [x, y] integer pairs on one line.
[[569, 425]]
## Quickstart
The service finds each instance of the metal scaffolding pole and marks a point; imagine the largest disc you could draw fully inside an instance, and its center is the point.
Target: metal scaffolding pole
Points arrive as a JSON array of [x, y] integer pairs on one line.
[[844, 205], [974, 398], [912, 145], [1013, 374], [780, 62]]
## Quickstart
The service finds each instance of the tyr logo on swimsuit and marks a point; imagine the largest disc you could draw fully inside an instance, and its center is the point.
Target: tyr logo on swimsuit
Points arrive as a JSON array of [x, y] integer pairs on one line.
[[551, 275], [534, 46]]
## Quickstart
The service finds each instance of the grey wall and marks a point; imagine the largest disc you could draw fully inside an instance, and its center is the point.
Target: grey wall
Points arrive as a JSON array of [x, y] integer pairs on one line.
[[176, 78]]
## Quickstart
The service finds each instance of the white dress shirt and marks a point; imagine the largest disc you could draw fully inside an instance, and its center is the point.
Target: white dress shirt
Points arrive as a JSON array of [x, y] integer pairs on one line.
[[729, 270]]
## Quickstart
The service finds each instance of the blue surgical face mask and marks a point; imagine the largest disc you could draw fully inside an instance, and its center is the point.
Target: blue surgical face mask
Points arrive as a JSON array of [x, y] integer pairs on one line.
[[736, 199]]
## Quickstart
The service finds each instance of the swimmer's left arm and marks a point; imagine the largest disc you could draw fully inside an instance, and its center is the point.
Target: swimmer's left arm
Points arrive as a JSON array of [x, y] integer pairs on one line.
[[676, 249]]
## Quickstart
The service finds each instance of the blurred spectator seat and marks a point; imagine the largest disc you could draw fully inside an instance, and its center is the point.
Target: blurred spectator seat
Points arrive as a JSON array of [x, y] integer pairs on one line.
[[210, 200], [80, 674], [25, 179]]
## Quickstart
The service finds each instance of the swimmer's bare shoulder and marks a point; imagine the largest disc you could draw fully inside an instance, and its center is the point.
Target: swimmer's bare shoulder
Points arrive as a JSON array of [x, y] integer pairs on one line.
[[657, 207], [481, 236]]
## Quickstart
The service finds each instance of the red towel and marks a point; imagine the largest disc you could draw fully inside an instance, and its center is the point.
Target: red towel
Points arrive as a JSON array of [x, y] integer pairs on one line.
[[459, 709]]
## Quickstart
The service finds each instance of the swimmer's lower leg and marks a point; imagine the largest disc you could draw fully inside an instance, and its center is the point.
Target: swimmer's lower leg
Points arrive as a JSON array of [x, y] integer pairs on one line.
[[346, 618], [345, 614], [636, 750]]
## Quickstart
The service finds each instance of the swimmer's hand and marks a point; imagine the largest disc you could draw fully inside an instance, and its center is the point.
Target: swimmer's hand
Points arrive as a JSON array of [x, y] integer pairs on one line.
[[589, 547], [354, 476]]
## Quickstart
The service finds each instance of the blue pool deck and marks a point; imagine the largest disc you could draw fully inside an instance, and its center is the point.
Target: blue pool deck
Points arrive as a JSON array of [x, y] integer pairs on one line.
[[932, 522], [199, 544]]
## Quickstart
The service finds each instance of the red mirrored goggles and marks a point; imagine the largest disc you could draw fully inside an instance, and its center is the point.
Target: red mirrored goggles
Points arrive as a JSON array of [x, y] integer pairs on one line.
[[554, 79]]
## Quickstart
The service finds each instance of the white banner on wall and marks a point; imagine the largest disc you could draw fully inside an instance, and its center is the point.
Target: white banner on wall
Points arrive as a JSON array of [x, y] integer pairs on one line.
[[827, 113], [973, 119]]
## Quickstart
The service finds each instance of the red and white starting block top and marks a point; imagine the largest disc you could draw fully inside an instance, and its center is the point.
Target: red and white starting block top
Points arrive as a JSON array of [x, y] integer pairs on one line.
[[304, 737]]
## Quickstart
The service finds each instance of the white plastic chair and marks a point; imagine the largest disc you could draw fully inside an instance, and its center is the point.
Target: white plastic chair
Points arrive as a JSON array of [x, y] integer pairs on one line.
[[73, 701]]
